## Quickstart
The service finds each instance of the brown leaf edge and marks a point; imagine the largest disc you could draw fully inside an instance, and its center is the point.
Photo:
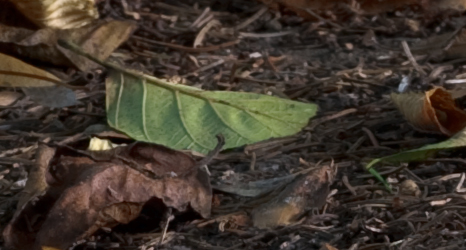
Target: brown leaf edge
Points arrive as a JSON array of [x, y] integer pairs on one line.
[[86, 194]]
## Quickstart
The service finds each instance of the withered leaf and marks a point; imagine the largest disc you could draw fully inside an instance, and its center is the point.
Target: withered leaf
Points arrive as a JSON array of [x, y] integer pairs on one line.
[[58, 15], [434, 111], [86, 194], [99, 39], [36, 183]]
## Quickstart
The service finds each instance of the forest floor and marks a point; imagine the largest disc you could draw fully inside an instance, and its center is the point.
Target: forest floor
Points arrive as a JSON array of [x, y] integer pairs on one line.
[[346, 63]]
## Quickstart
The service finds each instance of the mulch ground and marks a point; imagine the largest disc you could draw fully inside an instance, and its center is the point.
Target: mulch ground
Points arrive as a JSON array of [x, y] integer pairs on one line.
[[345, 62]]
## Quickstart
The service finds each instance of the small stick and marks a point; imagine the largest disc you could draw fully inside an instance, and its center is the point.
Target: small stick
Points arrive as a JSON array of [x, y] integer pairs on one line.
[[212, 154], [170, 217], [411, 58], [371, 137]]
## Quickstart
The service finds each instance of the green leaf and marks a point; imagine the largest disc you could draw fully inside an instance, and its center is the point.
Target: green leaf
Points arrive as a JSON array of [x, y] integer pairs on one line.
[[182, 117], [422, 153]]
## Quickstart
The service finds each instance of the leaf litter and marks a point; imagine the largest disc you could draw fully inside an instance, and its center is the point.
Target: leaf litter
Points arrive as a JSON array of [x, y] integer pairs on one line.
[[351, 80], [85, 194]]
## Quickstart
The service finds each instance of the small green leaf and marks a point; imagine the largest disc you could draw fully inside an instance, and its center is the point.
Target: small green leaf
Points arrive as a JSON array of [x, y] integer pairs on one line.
[[422, 153], [182, 117], [380, 178]]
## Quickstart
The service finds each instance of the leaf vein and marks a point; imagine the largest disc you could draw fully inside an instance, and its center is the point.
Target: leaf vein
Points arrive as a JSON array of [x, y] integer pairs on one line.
[[144, 101], [224, 122], [120, 93], [183, 122]]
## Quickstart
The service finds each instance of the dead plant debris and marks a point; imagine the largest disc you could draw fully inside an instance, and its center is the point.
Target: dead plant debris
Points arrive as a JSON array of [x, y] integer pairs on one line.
[[345, 59]]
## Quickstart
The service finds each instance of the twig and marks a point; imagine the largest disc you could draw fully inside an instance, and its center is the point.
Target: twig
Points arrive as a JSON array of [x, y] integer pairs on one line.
[[212, 154], [188, 49], [348, 185], [200, 18], [252, 18], [459, 187], [332, 117], [267, 35], [411, 58], [170, 217], [207, 67], [201, 35], [323, 19], [371, 137]]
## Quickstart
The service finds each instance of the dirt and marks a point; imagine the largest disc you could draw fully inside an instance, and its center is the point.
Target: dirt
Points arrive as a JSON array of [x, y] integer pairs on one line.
[[348, 69]]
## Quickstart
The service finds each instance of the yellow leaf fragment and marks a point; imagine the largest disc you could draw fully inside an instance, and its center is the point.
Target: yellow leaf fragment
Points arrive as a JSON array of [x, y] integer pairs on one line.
[[38, 84], [16, 73], [58, 14], [97, 144]]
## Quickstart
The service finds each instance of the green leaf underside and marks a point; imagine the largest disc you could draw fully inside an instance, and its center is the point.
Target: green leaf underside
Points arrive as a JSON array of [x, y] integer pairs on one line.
[[422, 153], [183, 117]]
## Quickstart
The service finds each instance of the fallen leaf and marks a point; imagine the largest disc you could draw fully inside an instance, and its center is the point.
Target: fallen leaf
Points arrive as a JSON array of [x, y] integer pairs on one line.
[[305, 192], [58, 15], [99, 39], [38, 84], [97, 144], [36, 183], [422, 153], [85, 194], [184, 117], [434, 111]]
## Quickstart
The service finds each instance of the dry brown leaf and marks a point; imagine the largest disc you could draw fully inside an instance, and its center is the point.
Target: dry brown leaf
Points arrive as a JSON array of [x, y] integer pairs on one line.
[[36, 183], [38, 84], [86, 194], [305, 192], [434, 111], [100, 40], [58, 14]]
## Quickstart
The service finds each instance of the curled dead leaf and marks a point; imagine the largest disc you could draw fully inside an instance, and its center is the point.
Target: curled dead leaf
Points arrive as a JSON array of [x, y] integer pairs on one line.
[[99, 39], [58, 15], [306, 191], [434, 111], [87, 193]]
